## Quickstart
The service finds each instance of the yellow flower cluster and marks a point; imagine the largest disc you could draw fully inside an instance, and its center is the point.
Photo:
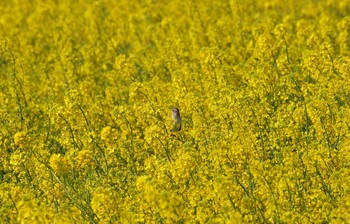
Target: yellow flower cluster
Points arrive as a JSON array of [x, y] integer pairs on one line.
[[86, 90]]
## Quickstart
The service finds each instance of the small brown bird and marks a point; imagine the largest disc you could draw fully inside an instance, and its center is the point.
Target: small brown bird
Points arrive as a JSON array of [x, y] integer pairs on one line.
[[175, 114]]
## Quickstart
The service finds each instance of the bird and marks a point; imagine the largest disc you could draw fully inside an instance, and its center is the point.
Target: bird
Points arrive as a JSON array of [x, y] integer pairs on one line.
[[177, 123]]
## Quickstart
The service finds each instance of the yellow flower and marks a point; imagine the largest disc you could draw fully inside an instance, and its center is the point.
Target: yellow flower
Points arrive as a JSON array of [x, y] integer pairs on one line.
[[20, 138], [60, 164], [105, 133], [84, 160]]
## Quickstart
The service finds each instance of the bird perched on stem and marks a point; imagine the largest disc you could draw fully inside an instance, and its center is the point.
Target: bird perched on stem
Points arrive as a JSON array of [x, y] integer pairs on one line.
[[175, 114]]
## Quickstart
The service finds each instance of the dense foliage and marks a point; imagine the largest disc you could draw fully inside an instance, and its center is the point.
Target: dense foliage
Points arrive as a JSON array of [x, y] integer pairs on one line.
[[85, 95]]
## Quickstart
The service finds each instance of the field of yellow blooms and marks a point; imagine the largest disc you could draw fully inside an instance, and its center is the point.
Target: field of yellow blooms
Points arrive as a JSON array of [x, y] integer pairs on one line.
[[86, 89]]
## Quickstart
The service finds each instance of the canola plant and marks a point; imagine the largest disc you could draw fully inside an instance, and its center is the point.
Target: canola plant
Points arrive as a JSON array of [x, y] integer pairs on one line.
[[86, 93]]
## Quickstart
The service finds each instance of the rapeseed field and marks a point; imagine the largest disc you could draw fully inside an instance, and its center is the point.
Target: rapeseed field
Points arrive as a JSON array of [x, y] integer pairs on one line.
[[86, 91]]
